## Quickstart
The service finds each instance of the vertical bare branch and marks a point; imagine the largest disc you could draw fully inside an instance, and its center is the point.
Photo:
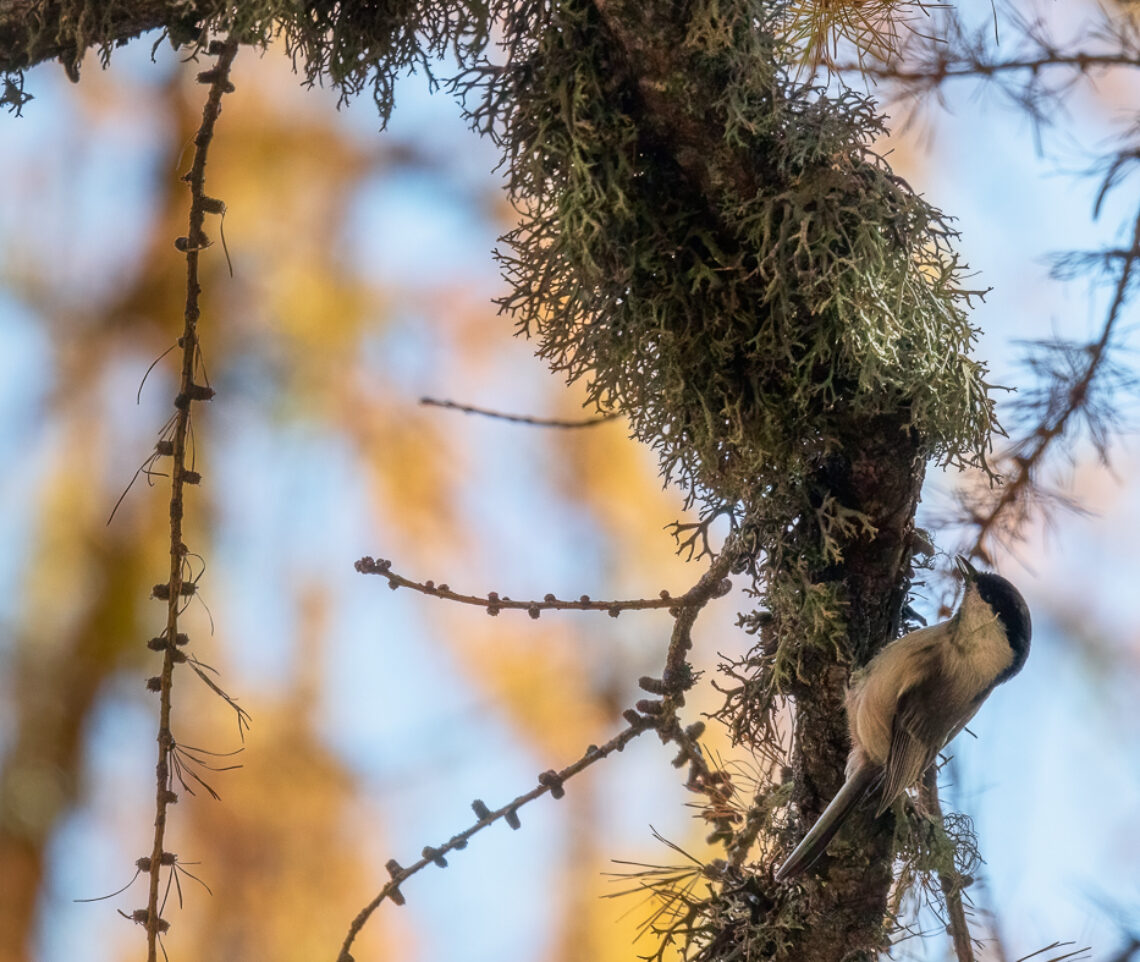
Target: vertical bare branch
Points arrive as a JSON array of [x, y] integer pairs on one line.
[[180, 474]]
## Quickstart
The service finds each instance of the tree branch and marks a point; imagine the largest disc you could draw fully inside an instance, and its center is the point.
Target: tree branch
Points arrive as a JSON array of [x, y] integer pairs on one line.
[[694, 599], [1036, 77], [658, 715], [548, 782], [1029, 455], [32, 31], [949, 69], [520, 418]]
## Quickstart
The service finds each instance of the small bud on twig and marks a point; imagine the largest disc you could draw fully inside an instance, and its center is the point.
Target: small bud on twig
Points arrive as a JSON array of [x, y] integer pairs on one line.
[[435, 856], [551, 780]]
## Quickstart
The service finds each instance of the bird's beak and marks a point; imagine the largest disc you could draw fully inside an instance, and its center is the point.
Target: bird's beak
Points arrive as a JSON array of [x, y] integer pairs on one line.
[[969, 572]]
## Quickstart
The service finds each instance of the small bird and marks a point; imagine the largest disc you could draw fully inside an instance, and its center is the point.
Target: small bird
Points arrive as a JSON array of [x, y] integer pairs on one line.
[[916, 694]]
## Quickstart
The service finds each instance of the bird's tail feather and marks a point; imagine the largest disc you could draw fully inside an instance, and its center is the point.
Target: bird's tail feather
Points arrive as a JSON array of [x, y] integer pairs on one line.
[[823, 831]]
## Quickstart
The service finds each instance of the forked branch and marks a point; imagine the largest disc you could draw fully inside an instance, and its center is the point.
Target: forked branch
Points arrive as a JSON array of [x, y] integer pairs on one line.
[[659, 715]]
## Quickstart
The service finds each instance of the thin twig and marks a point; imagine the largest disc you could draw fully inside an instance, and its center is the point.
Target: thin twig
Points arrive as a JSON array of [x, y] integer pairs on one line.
[[948, 69], [951, 883], [494, 603], [1037, 77], [200, 669], [519, 418], [218, 79], [548, 782], [1070, 956], [153, 364]]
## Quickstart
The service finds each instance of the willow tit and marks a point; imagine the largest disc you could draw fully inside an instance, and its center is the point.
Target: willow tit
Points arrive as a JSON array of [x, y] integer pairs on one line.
[[916, 694]]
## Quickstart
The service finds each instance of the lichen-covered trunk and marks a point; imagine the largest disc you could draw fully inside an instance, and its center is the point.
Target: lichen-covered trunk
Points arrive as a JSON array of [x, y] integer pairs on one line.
[[844, 904]]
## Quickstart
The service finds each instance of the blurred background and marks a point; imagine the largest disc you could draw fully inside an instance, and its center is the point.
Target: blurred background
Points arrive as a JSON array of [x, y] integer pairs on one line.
[[363, 280]]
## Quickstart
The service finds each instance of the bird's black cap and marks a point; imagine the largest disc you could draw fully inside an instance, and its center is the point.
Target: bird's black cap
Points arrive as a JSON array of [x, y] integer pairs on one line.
[[1009, 606]]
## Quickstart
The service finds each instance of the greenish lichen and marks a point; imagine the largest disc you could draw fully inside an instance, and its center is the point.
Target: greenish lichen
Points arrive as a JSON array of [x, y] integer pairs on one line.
[[355, 46], [741, 334]]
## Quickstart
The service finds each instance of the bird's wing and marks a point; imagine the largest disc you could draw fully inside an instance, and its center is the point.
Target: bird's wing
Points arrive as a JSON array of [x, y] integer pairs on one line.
[[918, 733]]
